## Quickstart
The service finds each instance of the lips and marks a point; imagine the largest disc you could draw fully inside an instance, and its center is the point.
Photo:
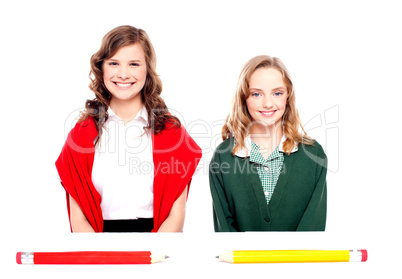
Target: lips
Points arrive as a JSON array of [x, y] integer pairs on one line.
[[268, 113]]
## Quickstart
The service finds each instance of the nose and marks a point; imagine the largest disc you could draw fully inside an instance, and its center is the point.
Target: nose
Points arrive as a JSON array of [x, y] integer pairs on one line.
[[267, 101], [123, 73]]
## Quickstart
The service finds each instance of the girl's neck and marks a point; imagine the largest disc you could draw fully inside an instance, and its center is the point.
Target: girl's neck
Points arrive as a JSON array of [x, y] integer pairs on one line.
[[267, 137], [126, 110]]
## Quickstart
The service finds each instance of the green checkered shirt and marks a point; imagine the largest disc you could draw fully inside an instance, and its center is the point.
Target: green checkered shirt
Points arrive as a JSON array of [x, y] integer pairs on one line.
[[268, 170]]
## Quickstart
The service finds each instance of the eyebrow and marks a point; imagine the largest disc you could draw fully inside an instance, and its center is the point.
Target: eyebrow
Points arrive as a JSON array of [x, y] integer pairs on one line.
[[134, 60], [255, 89], [277, 88]]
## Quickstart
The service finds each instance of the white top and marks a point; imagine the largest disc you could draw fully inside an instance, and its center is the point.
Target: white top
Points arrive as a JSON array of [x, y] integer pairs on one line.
[[123, 168]]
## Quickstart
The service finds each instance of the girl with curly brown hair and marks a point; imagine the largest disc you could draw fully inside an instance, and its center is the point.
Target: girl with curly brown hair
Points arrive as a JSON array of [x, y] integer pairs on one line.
[[127, 164]]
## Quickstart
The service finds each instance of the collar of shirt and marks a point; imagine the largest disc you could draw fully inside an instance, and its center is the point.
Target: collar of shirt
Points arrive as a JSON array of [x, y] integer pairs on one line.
[[256, 156], [142, 115], [245, 152]]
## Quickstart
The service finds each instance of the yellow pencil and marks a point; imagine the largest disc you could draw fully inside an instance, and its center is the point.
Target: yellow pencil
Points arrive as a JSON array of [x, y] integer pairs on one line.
[[294, 256]]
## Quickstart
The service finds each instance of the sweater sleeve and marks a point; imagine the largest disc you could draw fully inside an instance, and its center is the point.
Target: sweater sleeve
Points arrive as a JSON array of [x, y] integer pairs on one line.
[[223, 218], [176, 156], [74, 166], [314, 217]]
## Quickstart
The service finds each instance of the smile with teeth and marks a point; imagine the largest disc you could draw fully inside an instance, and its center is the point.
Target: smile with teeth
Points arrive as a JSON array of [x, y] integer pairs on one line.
[[268, 113], [124, 85]]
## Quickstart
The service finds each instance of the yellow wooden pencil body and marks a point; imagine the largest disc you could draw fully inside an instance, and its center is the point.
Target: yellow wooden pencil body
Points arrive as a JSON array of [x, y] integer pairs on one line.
[[286, 256]]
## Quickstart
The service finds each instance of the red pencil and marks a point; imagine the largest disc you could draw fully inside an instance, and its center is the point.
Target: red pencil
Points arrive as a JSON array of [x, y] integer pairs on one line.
[[90, 257]]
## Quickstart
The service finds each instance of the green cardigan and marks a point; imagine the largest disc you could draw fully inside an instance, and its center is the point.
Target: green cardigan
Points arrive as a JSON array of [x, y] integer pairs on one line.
[[299, 201]]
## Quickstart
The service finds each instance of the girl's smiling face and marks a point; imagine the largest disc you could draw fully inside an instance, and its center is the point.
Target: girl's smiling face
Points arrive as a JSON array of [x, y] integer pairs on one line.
[[268, 96], [124, 73]]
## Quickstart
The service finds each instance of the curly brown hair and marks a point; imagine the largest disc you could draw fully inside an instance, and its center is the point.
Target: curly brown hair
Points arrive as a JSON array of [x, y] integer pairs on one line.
[[158, 114]]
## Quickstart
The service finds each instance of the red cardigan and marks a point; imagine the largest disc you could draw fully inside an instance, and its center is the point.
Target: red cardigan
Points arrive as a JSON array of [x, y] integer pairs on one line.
[[175, 156]]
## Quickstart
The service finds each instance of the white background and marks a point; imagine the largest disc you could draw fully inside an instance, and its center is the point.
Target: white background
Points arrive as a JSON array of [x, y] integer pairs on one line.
[[345, 60]]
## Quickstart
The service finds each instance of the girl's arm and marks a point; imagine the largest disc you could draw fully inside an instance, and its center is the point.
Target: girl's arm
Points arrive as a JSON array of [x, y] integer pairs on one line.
[[79, 222], [223, 218], [175, 221], [315, 215]]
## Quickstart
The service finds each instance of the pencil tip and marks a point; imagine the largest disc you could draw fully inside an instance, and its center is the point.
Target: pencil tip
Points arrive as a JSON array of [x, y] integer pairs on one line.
[[167, 257], [217, 257]]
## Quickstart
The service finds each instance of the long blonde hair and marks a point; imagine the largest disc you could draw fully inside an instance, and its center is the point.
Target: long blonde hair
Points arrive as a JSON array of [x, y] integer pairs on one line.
[[238, 121]]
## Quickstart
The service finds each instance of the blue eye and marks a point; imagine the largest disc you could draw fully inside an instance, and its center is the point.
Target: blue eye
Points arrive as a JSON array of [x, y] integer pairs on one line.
[[255, 94], [113, 63], [277, 94]]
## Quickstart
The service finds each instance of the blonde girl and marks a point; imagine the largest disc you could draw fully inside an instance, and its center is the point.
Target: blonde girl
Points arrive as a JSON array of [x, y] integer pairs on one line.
[[267, 174]]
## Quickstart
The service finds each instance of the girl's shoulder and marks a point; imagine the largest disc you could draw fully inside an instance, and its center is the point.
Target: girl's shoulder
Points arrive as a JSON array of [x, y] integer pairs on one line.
[[224, 150], [172, 131], [314, 148], [308, 154], [226, 145], [176, 139], [84, 133]]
